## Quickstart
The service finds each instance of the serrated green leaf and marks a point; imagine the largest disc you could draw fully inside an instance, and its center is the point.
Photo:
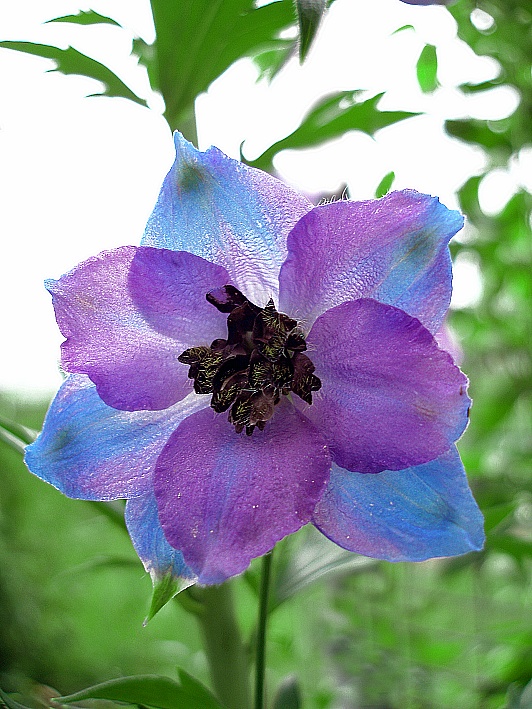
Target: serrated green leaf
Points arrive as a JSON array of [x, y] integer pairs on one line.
[[385, 184], [86, 17], [427, 69], [197, 40], [330, 118], [147, 56], [70, 61], [309, 15], [150, 690], [288, 695]]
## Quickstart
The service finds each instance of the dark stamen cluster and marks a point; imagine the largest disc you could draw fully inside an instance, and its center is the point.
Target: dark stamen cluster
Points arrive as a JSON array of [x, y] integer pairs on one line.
[[261, 360]]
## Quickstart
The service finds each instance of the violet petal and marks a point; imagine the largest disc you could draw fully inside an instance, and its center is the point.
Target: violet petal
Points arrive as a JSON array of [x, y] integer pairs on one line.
[[225, 499], [403, 515], [390, 398], [128, 314], [427, 2], [227, 213], [91, 451], [393, 250]]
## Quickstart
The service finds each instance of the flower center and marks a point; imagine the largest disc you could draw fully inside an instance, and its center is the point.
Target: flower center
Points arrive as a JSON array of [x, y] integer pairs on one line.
[[261, 360]]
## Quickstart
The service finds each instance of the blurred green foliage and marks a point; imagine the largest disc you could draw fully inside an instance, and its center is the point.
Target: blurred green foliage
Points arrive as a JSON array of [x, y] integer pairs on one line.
[[356, 633], [427, 69]]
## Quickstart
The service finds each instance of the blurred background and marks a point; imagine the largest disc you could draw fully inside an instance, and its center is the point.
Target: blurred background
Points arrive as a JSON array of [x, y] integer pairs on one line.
[[389, 96]]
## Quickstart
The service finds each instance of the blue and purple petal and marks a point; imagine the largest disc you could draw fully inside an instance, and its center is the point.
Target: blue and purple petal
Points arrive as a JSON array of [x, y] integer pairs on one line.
[[217, 208], [427, 2], [91, 451], [404, 515], [158, 557], [128, 314], [369, 282], [225, 499], [390, 398], [394, 250]]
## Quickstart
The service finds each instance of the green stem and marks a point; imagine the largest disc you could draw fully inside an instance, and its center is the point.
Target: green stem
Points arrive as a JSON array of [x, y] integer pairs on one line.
[[260, 662], [226, 653], [185, 123]]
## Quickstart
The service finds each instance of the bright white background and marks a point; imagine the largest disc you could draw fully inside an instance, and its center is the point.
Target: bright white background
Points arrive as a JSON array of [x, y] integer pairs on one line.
[[79, 175]]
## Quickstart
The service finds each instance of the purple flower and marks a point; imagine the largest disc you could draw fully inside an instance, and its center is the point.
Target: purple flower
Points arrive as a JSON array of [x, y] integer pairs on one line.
[[427, 2], [259, 364]]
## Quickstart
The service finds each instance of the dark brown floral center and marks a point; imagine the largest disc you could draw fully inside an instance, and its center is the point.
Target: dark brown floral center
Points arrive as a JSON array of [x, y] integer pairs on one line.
[[261, 360]]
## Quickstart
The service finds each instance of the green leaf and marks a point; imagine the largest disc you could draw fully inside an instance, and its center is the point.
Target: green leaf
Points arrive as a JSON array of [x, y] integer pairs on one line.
[[313, 560], [479, 88], [202, 698], [309, 15], [147, 56], [427, 69], [496, 514], [28, 435], [272, 60], [6, 700], [403, 28], [164, 589], [385, 184], [525, 701], [330, 118], [197, 40], [86, 17], [70, 61], [102, 563], [12, 440], [519, 549], [489, 134], [288, 695], [150, 690]]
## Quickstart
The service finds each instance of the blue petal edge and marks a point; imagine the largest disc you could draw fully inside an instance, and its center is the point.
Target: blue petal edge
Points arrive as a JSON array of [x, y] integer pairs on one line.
[[147, 535], [90, 451], [227, 213], [407, 515]]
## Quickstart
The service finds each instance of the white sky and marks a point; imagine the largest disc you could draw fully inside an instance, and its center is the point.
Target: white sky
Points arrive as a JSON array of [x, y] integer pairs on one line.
[[79, 175]]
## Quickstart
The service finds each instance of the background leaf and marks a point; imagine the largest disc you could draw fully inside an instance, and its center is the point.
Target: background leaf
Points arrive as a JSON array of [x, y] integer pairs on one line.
[[309, 14], [152, 691], [330, 118], [427, 69], [197, 40], [385, 184], [288, 695], [70, 61], [86, 17]]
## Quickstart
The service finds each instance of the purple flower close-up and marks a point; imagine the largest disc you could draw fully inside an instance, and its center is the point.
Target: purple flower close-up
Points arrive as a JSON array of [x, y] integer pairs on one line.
[[427, 2], [258, 364]]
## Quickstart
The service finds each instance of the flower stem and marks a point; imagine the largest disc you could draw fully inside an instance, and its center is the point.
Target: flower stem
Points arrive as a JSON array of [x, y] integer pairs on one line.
[[226, 653], [260, 660]]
